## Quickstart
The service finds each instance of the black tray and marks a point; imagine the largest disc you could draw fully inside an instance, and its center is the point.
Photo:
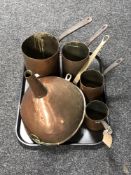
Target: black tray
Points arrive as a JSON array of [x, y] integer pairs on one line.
[[82, 137]]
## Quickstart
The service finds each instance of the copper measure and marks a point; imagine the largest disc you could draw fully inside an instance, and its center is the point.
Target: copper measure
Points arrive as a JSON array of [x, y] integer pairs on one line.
[[92, 81], [41, 50], [52, 109], [91, 59], [96, 115], [75, 54]]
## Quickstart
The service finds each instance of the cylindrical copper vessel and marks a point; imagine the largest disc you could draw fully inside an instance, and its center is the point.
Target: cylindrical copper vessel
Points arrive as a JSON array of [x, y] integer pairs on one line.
[[91, 84], [96, 113], [41, 54], [74, 56], [52, 109], [41, 50]]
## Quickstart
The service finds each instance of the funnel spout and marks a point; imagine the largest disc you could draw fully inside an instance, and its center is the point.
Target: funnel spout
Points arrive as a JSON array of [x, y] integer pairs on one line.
[[38, 89]]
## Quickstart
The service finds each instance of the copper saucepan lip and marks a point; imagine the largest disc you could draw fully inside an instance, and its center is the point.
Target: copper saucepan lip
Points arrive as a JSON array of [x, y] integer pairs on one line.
[[92, 81], [75, 54], [41, 50], [52, 109]]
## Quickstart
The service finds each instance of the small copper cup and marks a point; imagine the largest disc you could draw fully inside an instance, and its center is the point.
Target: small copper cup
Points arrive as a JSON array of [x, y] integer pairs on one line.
[[92, 84], [96, 115]]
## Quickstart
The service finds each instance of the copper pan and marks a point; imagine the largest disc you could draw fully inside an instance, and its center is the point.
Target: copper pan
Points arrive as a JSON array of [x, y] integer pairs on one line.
[[91, 59], [75, 54], [52, 109], [41, 50], [92, 81], [95, 120]]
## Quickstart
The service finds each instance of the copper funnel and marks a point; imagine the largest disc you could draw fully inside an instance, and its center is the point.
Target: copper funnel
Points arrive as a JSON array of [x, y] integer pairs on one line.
[[55, 114]]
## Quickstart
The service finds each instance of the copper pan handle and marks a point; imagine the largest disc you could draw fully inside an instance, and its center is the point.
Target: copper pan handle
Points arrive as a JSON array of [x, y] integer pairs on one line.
[[91, 58], [98, 33], [113, 65], [77, 26]]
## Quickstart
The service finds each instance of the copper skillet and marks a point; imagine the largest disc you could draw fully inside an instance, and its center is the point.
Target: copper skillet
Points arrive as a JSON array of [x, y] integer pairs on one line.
[[52, 109]]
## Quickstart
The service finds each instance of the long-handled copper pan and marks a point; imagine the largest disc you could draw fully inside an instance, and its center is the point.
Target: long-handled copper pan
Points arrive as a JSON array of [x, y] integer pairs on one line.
[[75, 54], [92, 81], [41, 50], [91, 58], [52, 109]]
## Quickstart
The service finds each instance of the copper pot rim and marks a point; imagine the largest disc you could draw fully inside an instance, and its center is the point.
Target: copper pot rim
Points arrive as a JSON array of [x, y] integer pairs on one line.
[[75, 60], [97, 121], [93, 88], [63, 141], [41, 59]]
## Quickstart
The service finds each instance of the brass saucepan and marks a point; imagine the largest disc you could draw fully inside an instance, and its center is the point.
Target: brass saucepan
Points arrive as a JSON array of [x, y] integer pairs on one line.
[[41, 50], [75, 54], [52, 109]]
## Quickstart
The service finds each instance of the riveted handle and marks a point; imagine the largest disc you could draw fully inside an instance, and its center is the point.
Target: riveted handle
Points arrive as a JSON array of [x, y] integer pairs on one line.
[[91, 58], [113, 65], [98, 33], [77, 26]]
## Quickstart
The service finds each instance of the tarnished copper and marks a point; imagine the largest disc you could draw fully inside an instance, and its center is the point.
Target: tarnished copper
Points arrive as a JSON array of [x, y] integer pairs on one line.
[[91, 84], [91, 58], [75, 54], [55, 116], [92, 81], [41, 50], [41, 54], [96, 113]]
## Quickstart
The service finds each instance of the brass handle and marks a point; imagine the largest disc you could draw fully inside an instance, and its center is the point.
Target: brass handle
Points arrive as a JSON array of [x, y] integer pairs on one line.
[[100, 31], [91, 58], [113, 65], [77, 26]]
